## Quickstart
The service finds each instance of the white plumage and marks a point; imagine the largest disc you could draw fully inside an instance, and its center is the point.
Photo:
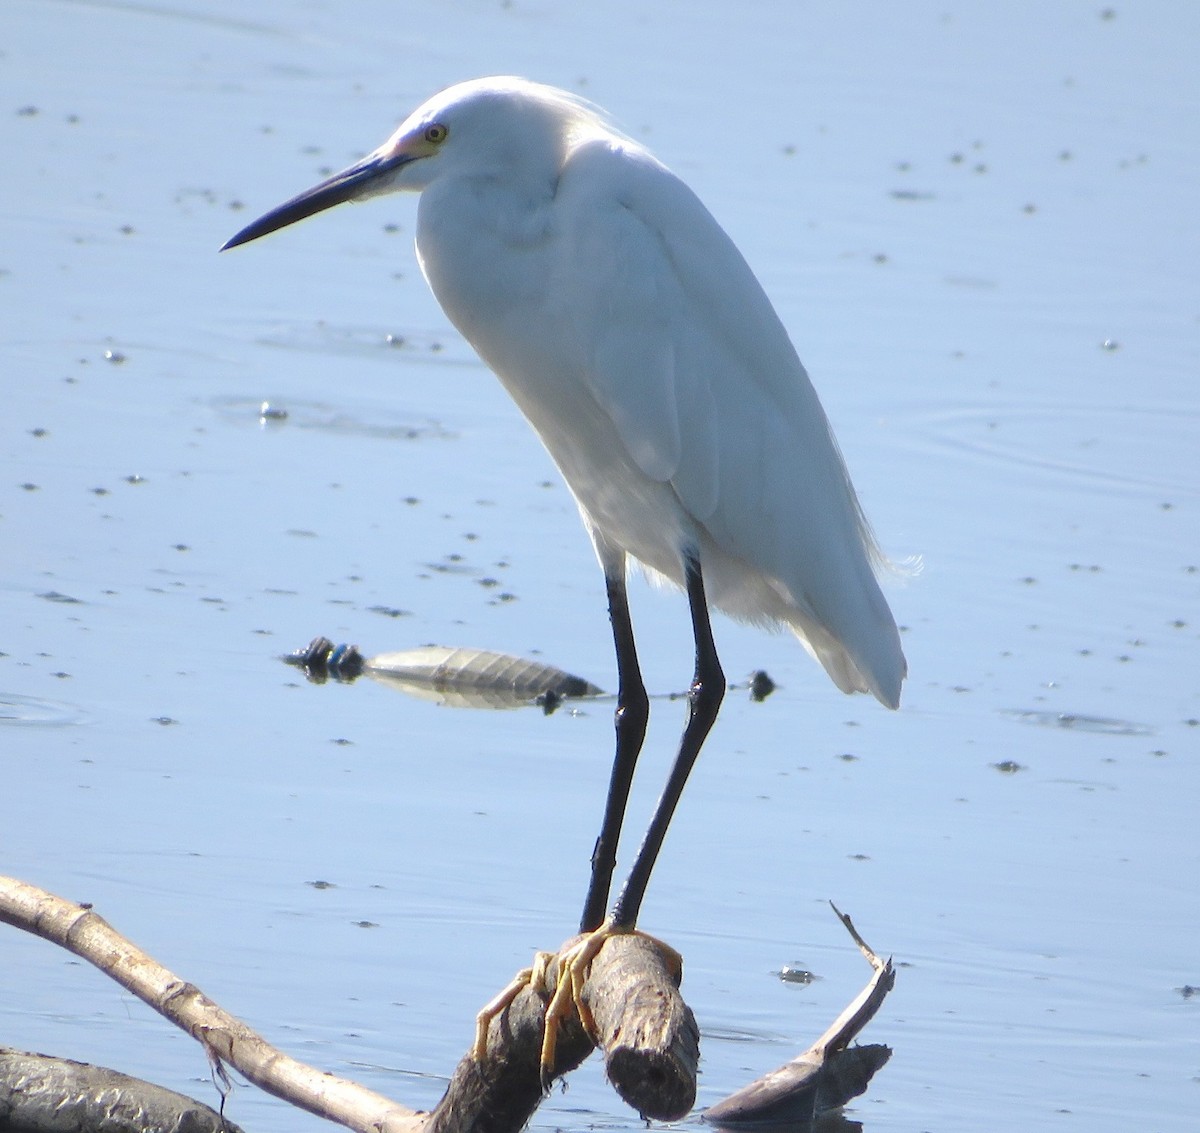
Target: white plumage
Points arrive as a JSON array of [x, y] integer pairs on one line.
[[640, 346], [636, 340]]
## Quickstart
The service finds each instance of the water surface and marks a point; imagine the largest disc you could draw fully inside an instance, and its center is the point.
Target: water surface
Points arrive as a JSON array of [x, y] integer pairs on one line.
[[978, 226]]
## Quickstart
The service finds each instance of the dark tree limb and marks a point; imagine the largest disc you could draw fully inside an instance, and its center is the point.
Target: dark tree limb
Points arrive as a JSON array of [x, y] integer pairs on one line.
[[825, 1076], [649, 1035]]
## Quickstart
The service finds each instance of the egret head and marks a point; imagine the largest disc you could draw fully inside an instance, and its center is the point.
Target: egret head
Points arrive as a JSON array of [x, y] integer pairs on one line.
[[497, 127]]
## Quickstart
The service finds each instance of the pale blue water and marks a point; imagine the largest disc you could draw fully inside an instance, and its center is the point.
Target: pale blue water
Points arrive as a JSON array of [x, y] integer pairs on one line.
[[954, 209]]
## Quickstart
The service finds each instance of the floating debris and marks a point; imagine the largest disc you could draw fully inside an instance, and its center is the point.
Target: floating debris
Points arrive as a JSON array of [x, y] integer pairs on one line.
[[389, 611], [761, 686], [57, 596], [796, 974], [321, 659], [459, 677]]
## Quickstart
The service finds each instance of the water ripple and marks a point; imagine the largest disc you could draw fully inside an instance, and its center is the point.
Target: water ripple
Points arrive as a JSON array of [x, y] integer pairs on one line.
[[1078, 722], [1094, 446], [33, 710]]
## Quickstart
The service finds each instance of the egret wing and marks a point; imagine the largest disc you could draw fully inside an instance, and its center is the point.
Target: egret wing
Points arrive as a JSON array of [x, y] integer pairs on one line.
[[688, 358], [695, 369]]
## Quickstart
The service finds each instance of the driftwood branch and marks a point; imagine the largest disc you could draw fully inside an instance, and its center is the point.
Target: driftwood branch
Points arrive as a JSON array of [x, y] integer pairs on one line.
[[825, 1076], [224, 1037], [649, 1034]]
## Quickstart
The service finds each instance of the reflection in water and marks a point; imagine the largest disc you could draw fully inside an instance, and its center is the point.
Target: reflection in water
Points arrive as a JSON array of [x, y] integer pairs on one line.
[[829, 1123], [1083, 444]]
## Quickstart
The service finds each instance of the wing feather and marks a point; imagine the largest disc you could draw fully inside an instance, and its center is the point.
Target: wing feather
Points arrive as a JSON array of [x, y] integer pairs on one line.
[[705, 389]]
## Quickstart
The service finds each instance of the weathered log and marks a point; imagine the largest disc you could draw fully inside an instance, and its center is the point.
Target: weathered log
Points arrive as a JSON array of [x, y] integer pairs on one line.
[[42, 1094], [649, 1036]]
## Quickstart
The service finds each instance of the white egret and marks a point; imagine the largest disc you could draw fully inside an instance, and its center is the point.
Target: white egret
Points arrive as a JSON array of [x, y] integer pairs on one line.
[[639, 344]]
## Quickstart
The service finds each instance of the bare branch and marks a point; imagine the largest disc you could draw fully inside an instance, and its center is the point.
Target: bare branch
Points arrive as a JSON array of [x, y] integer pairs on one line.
[[89, 936], [825, 1076]]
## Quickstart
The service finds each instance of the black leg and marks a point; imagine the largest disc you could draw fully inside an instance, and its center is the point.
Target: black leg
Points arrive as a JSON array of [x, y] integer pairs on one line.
[[633, 710], [707, 692]]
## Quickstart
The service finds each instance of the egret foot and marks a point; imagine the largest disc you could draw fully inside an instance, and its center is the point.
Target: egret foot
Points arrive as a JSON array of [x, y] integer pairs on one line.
[[574, 963], [534, 977]]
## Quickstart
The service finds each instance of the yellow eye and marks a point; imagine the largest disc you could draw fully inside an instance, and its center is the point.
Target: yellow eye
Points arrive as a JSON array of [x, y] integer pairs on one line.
[[436, 133]]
